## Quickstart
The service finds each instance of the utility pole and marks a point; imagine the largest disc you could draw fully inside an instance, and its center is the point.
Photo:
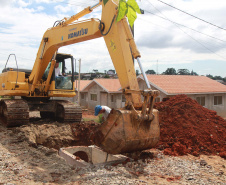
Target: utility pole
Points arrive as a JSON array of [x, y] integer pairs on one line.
[[75, 81], [157, 68], [79, 61]]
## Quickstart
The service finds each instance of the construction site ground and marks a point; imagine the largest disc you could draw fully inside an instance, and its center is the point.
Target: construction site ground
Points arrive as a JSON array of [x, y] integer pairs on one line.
[[29, 155]]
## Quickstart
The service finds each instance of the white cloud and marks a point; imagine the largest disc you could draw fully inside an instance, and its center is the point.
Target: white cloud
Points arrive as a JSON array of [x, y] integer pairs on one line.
[[23, 24], [40, 8], [22, 3], [62, 9]]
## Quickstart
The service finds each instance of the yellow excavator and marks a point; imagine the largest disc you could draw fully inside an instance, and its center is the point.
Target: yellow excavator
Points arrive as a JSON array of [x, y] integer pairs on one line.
[[134, 127]]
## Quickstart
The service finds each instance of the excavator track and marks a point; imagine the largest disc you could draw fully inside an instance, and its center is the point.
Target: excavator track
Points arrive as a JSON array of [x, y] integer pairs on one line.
[[14, 112], [67, 111]]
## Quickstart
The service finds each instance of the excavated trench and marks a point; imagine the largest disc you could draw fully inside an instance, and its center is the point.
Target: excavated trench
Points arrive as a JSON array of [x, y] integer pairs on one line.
[[54, 134], [62, 135]]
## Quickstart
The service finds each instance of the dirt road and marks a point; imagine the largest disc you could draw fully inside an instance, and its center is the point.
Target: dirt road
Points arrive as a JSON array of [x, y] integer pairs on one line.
[[26, 159]]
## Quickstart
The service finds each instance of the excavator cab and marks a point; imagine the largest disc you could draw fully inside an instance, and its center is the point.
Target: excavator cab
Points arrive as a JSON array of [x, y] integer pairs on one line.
[[63, 73]]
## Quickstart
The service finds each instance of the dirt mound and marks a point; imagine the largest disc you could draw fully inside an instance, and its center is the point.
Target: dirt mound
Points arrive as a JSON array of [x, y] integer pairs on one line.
[[51, 135], [189, 128], [84, 132], [57, 135]]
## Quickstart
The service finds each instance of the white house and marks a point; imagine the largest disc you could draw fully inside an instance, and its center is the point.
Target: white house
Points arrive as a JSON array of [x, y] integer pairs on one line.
[[102, 92]]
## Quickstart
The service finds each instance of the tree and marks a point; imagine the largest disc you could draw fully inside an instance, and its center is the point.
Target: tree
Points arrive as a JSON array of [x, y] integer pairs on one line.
[[170, 71], [194, 73], [217, 78], [150, 71], [106, 76], [183, 72], [209, 76]]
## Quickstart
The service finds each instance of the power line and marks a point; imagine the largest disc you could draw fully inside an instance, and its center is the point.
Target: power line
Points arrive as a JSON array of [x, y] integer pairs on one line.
[[192, 15], [185, 26], [188, 34]]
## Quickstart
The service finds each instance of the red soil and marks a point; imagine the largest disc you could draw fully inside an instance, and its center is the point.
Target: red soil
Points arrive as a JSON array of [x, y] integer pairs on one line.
[[189, 128]]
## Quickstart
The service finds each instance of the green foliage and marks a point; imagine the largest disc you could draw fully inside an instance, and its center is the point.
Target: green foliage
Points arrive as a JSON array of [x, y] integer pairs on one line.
[[170, 71], [183, 72], [106, 76], [92, 119], [105, 1], [122, 10], [194, 73], [216, 77], [210, 76], [127, 8], [150, 71], [100, 116]]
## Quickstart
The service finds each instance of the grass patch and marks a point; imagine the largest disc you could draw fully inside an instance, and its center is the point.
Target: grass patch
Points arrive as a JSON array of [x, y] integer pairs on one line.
[[92, 119]]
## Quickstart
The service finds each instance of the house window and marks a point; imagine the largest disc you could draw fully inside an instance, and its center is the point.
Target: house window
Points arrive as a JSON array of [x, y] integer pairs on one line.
[[82, 96], [157, 99], [123, 98], [201, 100], [112, 98], [217, 100], [93, 97]]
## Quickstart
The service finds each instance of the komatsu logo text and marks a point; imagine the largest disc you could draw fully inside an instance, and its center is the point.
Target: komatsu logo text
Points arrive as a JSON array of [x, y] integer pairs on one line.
[[78, 33]]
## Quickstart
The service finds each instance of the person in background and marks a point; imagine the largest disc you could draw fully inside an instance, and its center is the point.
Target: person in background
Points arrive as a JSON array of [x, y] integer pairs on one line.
[[105, 110], [57, 70]]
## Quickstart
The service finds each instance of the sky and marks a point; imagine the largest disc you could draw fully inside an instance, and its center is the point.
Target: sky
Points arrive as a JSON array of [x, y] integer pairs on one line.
[[165, 37]]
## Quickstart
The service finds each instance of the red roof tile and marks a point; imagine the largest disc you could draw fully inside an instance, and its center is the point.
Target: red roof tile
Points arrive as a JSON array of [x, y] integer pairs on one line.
[[110, 85], [83, 84], [178, 84]]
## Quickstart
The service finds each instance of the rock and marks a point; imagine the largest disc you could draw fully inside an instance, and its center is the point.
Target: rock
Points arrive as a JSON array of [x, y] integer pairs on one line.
[[203, 163]]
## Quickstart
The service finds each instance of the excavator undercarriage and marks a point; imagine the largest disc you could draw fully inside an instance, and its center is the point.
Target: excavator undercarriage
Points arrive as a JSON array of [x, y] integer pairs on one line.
[[16, 112]]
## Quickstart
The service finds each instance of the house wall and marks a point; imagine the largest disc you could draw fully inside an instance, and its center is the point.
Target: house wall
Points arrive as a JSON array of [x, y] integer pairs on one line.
[[95, 89], [103, 98], [84, 101], [143, 86], [116, 102], [209, 103]]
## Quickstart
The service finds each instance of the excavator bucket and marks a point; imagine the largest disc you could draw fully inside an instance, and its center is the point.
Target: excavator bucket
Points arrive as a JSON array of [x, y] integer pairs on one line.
[[122, 133]]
